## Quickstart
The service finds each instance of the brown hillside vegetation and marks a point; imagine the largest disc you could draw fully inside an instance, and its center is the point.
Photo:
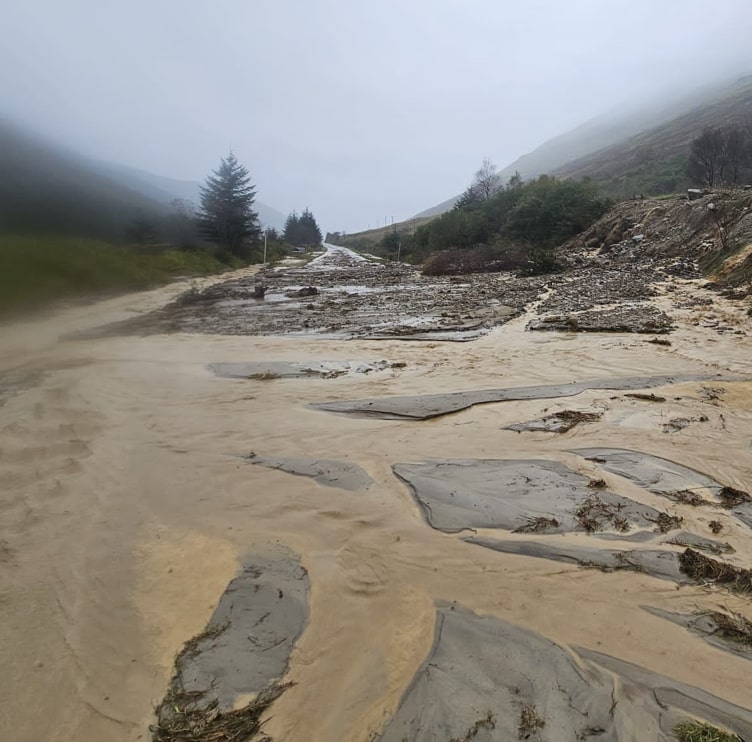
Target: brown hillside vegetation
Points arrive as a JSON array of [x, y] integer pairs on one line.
[[653, 159], [711, 235]]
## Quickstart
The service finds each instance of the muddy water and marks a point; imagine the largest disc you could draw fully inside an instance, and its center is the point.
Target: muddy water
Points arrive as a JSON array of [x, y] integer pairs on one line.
[[126, 511]]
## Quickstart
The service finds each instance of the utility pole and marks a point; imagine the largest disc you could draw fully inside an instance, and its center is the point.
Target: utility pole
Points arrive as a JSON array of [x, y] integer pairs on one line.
[[264, 249]]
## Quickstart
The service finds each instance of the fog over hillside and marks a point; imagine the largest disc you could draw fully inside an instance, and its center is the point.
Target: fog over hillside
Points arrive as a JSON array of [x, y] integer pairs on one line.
[[359, 111]]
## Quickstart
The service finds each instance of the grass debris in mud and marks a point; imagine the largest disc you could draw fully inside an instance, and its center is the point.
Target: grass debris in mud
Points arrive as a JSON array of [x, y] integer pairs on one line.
[[189, 721], [731, 497], [688, 497], [594, 515], [187, 716], [666, 522], [695, 731], [646, 397], [529, 721], [264, 376], [704, 569], [536, 525], [567, 419], [733, 626]]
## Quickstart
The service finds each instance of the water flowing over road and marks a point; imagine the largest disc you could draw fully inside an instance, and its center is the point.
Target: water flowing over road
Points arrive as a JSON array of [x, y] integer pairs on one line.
[[353, 468]]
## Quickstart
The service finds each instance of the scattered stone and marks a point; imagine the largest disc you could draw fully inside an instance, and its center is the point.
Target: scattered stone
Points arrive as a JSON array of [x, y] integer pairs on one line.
[[625, 318]]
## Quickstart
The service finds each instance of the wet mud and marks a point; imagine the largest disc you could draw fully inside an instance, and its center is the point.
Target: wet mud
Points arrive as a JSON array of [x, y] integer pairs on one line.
[[157, 513], [517, 495], [244, 649], [487, 679], [427, 406], [341, 474], [672, 480], [727, 630]]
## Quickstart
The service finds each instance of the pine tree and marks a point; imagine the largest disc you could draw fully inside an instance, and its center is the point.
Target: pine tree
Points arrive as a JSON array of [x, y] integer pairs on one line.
[[226, 217], [302, 230]]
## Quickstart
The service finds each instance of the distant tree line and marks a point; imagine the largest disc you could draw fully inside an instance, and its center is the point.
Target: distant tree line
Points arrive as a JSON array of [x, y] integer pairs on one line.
[[495, 226], [302, 230], [721, 156], [225, 220]]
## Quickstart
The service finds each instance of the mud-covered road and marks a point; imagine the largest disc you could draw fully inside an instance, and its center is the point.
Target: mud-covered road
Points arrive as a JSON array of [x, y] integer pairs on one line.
[[538, 535]]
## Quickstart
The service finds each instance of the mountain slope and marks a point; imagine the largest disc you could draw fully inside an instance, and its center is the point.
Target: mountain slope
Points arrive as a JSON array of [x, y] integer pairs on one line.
[[165, 190], [653, 160], [617, 144], [44, 188]]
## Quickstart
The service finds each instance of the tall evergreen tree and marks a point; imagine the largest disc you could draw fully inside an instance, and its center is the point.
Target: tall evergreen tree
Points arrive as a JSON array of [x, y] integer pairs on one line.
[[226, 217], [302, 230]]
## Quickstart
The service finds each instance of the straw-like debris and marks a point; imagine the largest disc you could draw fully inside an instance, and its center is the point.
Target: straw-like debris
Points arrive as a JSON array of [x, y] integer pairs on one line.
[[597, 484], [666, 522], [264, 376], [569, 418], [595, 515], [189, 720], [688, 497], [536, 525], [529, 721], [646, 397], [695, 731], [704, 569], [731, 497], [732, 626]]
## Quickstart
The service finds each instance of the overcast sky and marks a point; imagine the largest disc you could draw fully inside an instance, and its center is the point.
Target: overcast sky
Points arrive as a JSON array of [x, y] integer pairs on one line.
[[359, 110]]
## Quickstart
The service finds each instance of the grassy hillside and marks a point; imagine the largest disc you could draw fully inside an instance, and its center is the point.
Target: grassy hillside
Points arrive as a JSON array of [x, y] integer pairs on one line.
[[653, 161], [638, 152], [370, 238], [35, 270]]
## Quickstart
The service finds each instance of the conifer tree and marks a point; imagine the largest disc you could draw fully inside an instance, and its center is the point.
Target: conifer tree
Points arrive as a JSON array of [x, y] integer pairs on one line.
[[226, 217]]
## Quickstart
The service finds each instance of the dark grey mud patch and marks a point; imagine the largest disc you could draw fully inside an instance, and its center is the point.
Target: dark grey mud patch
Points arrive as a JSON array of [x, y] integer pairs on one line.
[[557, 422], [328, 472], [654, 562], [426, 406], [262, 370], [684, 538], [503, 682], [515, 494], [670, 479], [244, 649], [726, 630]]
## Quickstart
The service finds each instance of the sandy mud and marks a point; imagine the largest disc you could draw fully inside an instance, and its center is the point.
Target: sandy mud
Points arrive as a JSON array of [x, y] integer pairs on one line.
[[301, 592]]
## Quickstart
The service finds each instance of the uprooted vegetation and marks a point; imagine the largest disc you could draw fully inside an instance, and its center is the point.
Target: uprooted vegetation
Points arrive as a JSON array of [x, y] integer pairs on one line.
[[191, 722], [704, 569], [596, 515], [732, 626], [695, 731], [188, 716]]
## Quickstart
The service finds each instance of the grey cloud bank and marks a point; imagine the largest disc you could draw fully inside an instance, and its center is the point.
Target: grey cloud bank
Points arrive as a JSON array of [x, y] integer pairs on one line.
[[358, 110]]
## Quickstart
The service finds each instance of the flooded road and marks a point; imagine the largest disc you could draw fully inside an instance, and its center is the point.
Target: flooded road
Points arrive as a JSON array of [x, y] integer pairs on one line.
[[130, 499]]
